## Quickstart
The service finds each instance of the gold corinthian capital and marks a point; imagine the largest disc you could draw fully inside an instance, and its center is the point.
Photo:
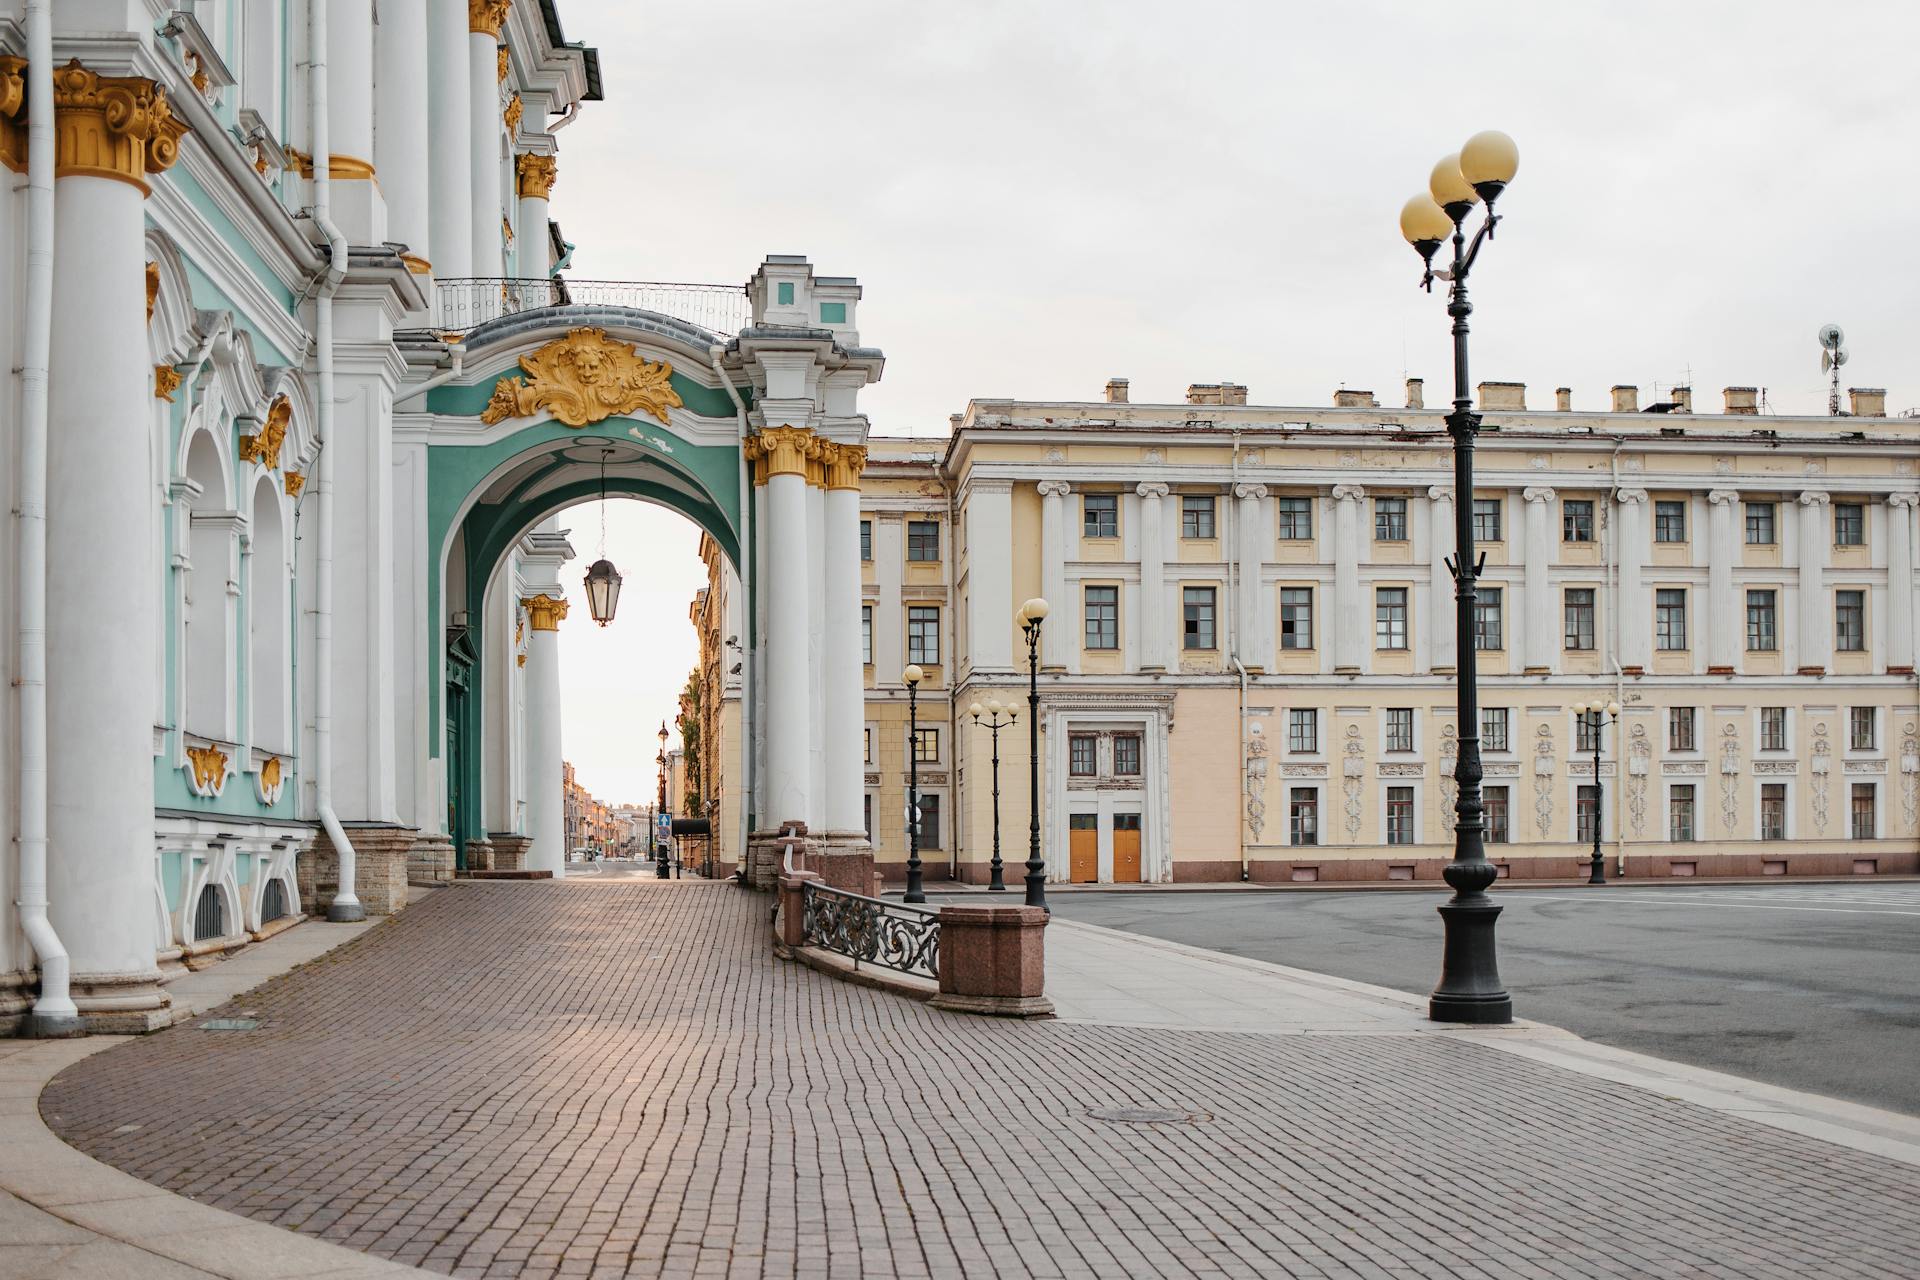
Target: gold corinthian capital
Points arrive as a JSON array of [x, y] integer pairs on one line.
[[844, 463], [781, 451], [544, 612], [536, 174], [117, 127], [486, 17]]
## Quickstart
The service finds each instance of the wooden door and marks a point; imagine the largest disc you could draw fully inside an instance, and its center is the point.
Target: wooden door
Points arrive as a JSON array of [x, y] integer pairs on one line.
[[1126, 848], [1083, 848]]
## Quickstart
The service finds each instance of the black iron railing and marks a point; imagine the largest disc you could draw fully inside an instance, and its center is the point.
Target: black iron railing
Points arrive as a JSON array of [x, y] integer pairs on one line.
[[872, 931], [464, 302]]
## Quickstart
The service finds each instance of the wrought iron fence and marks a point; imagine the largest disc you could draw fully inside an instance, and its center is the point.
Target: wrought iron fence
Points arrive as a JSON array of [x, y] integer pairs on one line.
[[870, 930], [463, 302]]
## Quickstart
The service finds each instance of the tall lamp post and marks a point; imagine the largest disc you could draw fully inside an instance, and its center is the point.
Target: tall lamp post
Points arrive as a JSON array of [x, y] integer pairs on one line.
[[1469, 989], [659, 845], [1032, 614], [996, 717], [1595, 716], [912, 677]]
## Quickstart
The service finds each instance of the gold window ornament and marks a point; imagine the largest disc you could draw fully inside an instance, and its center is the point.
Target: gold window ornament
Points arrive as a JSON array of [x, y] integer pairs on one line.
[[263, 447]]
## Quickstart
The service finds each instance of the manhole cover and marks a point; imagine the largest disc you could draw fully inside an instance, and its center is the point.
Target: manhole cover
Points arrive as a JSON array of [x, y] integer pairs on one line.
[[1147, 1115], [230, 1024]]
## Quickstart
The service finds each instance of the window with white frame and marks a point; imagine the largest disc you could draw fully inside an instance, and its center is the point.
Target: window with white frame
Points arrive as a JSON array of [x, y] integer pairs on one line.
[[1303, 730], [1579, 611], [1849, 524], [1760, 524], [1489, 620], [1669, 520], [1390, 617], [1196, 515], [1100, 515], [1493, 729], [1861, 728], [1680, 722], [866, 634], [1303, 815], [1399, 728], [1773, 728], [1389, 519], [923, 540], [1670, 618], [1576, 520], [1497, 808], [1680, 812], [1486, 520], [1400, 815], [1586, 813], [1126, 755], [1762, 622], [1083, 755], [1102, 617], [1296, 519], [1862, 816], [1196, 605], [1773, 811], [1296, 617], [1850, 621], [923, 635]]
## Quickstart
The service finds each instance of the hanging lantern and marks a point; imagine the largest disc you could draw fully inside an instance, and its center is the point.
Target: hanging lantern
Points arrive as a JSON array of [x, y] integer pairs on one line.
[[603, 591]]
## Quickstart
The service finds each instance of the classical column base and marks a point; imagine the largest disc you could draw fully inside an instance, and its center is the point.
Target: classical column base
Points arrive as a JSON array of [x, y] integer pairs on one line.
[[767, 851], [844, 860], [480, 856], [120, 1004], [380, 869], [17, 1017], [431, 860], [510, 851]]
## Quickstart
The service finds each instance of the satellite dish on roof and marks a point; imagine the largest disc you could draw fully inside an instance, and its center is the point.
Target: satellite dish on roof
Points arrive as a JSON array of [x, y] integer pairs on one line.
[[1831, 336]]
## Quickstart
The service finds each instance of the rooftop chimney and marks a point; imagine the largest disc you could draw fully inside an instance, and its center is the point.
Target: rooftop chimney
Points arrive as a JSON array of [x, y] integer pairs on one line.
[[1867, 402], [1743, 400], [954, 420], [1232, 393], [1416, 393], [1354, 400], [1626, 399], [1203, 393], [1563, 399], [1116, 390], [1503, 395], [1683, 399]]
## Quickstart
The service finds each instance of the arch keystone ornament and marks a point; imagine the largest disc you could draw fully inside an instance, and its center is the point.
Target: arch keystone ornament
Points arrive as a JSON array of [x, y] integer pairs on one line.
[[264, 447], [582, 378], [207, 771], [544, 612]]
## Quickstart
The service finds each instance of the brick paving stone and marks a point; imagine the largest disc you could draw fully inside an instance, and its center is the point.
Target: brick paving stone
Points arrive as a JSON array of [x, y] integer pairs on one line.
[[500, 1082]]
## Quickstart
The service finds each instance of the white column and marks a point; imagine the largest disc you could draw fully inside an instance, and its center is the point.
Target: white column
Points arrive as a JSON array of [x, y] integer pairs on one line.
[[1151, 642], [359, 206], [1723, 612], [989, 516], [787, 728], [1900, 581], [1053, 573], [1542, 648], [533, 177], [546, 800], [816, 814], [486, 128], [1352, 653], [845, 697], [1250, 524], [1634, 604], [100, 762], [1816, 625], [450, 149], [1440, 602], [400, 144]]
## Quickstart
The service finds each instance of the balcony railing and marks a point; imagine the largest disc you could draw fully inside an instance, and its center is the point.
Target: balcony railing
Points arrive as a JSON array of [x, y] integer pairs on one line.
[[465, 302]]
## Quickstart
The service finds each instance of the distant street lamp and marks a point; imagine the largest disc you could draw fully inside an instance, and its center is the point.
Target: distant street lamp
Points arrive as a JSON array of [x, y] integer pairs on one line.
[[1469, 989], [1032, 614], [659, 845], [1595, 716], [912, 677], [997, 717]]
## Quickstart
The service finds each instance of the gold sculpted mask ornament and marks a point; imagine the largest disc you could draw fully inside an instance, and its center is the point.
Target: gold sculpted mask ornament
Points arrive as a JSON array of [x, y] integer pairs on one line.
[[585, 377], [264, 448], [209, 769]]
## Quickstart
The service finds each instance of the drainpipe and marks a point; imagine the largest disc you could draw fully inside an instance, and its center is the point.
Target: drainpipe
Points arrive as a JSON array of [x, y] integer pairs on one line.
[[1619, 675], [346, 905], [441, 379], [1234, 569], [748, 652], [54, 1012]]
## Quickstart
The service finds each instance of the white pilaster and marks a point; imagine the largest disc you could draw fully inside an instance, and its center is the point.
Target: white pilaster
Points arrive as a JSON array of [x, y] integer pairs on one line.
[[1251, 526], [1636, 613], [845, 696], [1440, 603], [1816, 619], [1151, 641], [486, 130], [1054, 634], [1353, 651], [990, 575], [1542, 648], [450, 148], [1900, 590], [787, 673], [1723, 612], [400, 144]]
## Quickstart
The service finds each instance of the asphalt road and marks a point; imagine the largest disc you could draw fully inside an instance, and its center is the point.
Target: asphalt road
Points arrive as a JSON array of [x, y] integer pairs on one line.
[[1815, 987]]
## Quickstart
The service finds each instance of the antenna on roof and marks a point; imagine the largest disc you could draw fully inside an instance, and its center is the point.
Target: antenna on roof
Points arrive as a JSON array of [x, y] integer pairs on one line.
[[1832, 356]]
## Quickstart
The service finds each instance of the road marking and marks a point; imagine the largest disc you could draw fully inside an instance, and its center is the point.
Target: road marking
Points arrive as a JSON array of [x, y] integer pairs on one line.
[[1699, 899]]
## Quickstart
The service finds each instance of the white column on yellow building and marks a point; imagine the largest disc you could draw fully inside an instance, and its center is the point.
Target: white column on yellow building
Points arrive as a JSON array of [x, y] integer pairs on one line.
[[1440, 605], [400, 143], [1900, 591], [533, 175], [1151, 641], [989, 509], [784, 453], [1349, 606], [816, 814], [1636, 616], [1723, 612], [111, 132], [845, 696], [449, 148], [546, 799], [1542, 650], [1250, 523], [1816, 631], [485, 127], [1053, 572]]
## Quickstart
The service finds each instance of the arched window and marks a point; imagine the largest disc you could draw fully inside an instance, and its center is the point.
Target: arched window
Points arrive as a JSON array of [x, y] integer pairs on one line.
[[268, 655], [207, 699]]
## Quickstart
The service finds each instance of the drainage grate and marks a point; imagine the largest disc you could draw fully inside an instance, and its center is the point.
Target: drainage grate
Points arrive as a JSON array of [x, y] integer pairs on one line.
[[230, 1024], [1147, 1115]]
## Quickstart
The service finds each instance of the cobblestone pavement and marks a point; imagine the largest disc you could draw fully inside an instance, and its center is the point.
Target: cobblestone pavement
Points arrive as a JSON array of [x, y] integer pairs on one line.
[[617, 1078]]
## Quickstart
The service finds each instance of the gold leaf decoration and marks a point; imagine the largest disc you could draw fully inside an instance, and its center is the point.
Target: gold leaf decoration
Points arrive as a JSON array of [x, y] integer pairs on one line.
[[166, 381], [295, 482], [584, 377], [264, 448], [512, 114], [209, 766]]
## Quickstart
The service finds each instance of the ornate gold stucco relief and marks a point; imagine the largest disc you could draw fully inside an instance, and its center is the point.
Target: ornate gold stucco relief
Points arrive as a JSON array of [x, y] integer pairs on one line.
[[264, 448], [207, 771], [544, 612], [584, 377]]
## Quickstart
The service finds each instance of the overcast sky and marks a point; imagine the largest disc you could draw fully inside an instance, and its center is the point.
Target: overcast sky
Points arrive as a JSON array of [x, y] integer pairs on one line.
[[1038, 195]]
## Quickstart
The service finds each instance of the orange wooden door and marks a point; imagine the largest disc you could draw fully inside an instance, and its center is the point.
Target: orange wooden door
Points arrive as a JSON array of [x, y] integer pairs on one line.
[[1126, 848], [1083, 848]]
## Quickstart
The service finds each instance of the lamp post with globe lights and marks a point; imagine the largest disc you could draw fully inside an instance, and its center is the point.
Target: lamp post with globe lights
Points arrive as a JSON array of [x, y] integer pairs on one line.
[[660, 869], [912, 677], [1032, 614], [1595, 716], [995, 716], [1469, 988]]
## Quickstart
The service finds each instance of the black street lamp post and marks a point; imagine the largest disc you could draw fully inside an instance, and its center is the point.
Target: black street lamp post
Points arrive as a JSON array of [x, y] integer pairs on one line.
[[996, 717], [912, 676], [1032, 614], [1469, 989], [1595, 716], [660, 871]]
